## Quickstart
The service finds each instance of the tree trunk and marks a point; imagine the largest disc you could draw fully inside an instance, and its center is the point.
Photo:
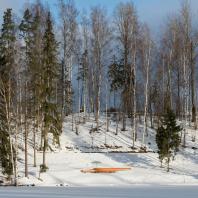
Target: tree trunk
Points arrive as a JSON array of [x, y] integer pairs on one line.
[[44, 147], [146, 94], [34, 140], [193, 86], [134, 96], [26, 133], [178, 96]]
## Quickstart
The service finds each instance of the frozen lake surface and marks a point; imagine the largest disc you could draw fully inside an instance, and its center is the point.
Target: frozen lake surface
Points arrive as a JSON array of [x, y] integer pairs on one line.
[[100, 192]]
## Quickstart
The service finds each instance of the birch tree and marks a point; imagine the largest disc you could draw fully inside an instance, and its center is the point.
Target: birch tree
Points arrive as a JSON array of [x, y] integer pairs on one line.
[[126, 32], [68, 15], [100, 37], [186, 28], [84, 69], [146, 61]]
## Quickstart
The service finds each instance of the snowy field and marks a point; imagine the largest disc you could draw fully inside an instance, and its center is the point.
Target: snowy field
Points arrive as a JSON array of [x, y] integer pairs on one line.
[[105, 149], [132, 192]]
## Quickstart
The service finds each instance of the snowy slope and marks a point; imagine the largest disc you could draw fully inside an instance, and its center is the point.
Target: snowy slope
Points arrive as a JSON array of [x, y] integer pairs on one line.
[[104, 141], [105, 149]]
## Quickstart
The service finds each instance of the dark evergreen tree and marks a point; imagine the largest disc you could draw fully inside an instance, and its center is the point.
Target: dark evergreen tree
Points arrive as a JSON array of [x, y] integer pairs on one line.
[[51, 117], [36, 72], [118, 78], [26, 26], [26, 31], [5, 142], [168, 137], [116, 75], [7, 54]]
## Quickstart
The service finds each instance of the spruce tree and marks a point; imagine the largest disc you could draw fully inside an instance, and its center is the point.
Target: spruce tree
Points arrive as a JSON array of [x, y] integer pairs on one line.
[[168, 138], [6, 154], [51, 116], [7, 52]]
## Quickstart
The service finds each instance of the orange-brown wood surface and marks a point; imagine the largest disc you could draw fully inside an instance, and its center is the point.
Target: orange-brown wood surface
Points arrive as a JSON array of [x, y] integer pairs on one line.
[[104, 170]]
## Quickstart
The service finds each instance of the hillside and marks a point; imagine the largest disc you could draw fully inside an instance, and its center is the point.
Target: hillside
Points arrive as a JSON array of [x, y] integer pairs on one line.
[[105, 149]]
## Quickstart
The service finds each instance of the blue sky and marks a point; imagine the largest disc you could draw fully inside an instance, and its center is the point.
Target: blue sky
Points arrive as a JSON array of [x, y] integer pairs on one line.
[[153, 12]]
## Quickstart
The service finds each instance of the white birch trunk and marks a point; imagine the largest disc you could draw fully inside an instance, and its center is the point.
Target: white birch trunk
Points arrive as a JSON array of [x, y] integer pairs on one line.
[[134, 97], [146, 93]]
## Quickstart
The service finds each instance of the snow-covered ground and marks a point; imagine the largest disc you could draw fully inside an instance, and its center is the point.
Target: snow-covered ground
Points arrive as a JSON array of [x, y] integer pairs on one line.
[[105, 149], [97, 192]]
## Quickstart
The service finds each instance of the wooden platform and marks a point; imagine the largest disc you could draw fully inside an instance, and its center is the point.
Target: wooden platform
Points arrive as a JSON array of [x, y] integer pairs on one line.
[[104, 170]]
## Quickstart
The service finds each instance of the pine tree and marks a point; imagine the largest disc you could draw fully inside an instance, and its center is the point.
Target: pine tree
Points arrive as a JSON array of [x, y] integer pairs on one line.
[[52, 122], [7, 51], [36, 73], [25, 30], [168, 138]]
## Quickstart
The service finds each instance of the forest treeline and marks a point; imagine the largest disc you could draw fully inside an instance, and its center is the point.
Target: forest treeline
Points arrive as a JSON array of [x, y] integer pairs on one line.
[[118, 66]]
